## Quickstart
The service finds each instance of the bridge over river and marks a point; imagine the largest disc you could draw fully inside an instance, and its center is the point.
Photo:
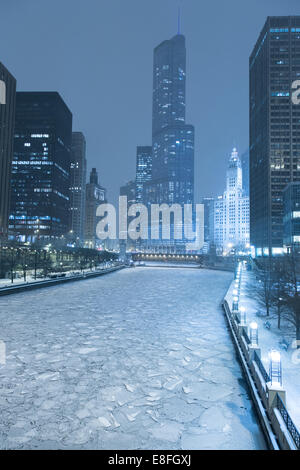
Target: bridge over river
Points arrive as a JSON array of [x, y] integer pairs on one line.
[[137, 359]]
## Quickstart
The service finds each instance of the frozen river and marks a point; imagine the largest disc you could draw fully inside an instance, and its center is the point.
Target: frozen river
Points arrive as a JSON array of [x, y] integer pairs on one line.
[[138, 359]]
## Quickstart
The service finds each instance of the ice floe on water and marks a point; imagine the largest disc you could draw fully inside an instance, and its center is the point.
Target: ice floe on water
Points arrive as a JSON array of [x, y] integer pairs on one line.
[[138, 359]]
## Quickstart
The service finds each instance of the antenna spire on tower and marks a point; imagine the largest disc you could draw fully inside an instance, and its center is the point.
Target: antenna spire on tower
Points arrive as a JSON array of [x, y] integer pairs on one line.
[[179, 18]]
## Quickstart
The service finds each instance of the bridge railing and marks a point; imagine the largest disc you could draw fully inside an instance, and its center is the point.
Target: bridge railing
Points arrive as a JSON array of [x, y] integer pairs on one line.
[[261, 367], [245, 335]]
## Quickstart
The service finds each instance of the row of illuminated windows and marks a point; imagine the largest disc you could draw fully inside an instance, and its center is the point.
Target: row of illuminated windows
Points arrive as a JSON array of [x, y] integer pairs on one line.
[[31, 162]]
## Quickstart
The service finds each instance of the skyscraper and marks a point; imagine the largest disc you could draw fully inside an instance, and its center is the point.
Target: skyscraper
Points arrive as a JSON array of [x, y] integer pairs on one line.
[[245, 168], [291, 219], [172, 180], [7, 117], [95, 195], [208, 203], [129, 190], [143, 170], [172, 139], [231, 211], [40, 181], [274, 129], [78, 185]]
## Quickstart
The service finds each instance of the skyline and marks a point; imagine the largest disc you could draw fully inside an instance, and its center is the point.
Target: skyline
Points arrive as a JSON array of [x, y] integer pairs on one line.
[[112, 135]]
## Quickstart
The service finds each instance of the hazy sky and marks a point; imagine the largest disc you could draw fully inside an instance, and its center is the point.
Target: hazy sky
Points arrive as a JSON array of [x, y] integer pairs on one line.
[[98, 55]]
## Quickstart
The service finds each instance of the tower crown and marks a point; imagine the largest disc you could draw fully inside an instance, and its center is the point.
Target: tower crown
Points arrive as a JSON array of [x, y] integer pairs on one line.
[[234, 160]]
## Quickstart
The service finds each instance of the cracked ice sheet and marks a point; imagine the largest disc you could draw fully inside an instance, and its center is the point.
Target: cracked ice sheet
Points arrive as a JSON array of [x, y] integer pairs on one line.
[[137, 359]]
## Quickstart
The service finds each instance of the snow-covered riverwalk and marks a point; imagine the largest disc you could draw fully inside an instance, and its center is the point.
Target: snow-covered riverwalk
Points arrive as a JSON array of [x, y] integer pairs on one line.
[[139, 359]]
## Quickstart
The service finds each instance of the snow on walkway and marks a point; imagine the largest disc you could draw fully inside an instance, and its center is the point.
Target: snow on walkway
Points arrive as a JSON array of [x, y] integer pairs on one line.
[[271, 339], [138, 359]]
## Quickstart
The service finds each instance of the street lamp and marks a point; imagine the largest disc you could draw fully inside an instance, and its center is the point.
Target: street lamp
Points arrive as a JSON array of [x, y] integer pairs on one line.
[[12, 264], [35, 263], [254, 333], [275, 367], [235, 304], [243, 315]]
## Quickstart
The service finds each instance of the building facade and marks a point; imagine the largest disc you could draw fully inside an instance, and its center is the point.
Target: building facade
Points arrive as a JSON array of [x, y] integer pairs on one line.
[[172, 180], [291, 217], [7, 119], [274, 129], [231, 211], [172, 139], [245, 168], [208, 203], [143, 170], [40, 181], [78, 186], [95, 195], [129, 190]]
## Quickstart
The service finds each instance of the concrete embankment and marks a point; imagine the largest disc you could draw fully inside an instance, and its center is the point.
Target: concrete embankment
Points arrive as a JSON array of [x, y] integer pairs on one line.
[[52, 282]]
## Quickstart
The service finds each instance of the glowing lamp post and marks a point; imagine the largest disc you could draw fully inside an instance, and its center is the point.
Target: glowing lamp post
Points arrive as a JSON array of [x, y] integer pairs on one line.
[[254, 333], [235, 304], [253, 346], [275, 368], [243, 316], [274, 387]]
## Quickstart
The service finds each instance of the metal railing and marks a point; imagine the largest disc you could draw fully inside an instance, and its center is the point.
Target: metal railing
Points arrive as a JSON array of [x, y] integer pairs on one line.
[[247, 339], [288, 421], [238, 321], [261, 367]]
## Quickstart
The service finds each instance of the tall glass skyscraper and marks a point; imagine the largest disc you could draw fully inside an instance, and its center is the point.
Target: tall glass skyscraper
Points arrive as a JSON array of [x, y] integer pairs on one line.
[[78, 185], [95, 195], [245, 168], [172, 138], [143, 170], [274, 129], [291, 220], [7, 118], [40, 184]]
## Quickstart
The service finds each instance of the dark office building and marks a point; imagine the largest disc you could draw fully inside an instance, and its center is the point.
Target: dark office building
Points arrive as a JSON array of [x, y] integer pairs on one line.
[[245, 170], [40, 202], [143, 170], [274, 129], [291, 219], [208, 203], [95, 195], [172, 139], [7, 117], [78, 185], [128, 190]]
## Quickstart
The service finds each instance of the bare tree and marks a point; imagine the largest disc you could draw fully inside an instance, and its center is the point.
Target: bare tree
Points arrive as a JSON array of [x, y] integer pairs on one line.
[[291, 294], [264, 275], [279, 287]]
